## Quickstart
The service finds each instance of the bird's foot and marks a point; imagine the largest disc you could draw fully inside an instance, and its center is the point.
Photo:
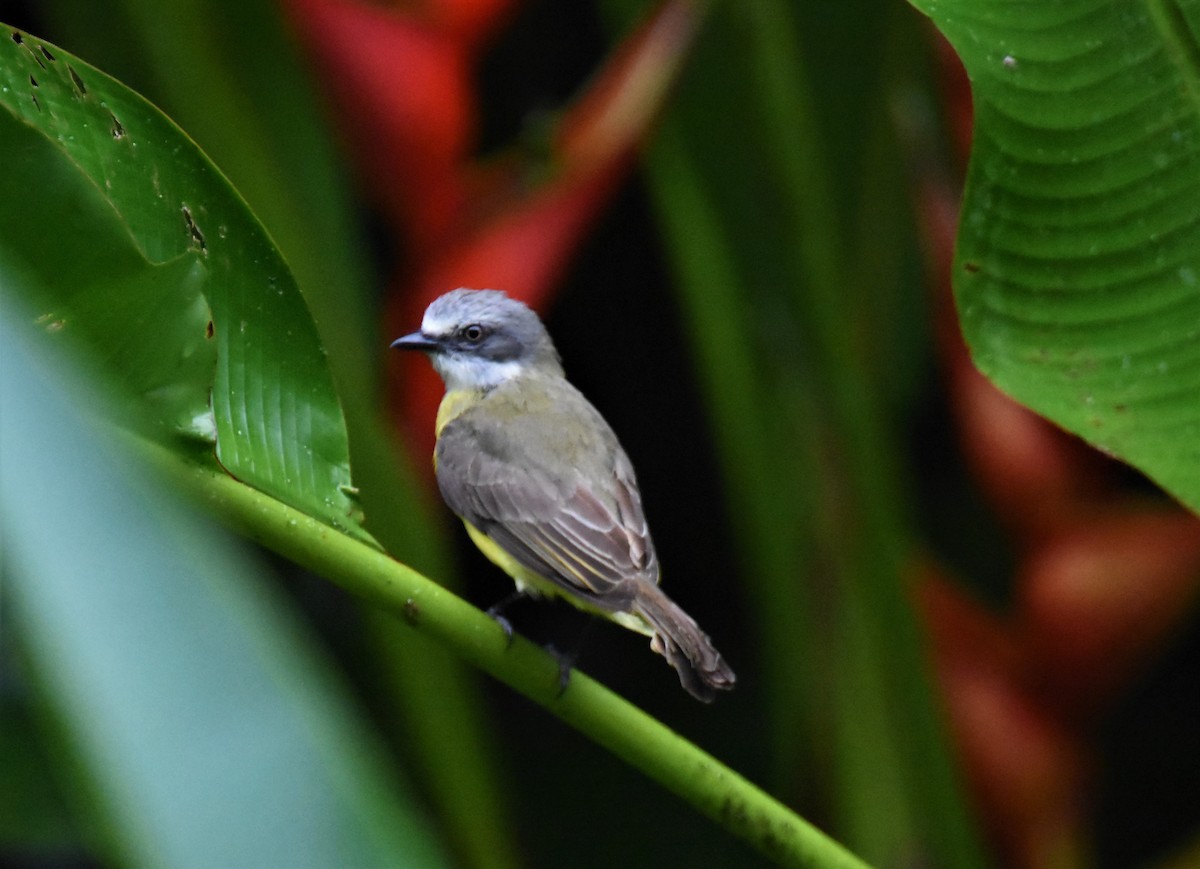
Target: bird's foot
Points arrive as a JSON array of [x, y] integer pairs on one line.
[[566, 662], [496, 612], [505, 625]]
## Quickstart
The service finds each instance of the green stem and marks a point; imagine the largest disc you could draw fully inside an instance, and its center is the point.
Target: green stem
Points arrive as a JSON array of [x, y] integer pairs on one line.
[[422, 605]]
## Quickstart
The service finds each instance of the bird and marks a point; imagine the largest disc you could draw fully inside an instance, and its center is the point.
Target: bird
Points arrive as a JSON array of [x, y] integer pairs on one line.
[[540, 480]]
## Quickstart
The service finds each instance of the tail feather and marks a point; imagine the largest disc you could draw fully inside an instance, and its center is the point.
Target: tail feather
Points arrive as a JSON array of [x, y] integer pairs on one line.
[[677, 637]]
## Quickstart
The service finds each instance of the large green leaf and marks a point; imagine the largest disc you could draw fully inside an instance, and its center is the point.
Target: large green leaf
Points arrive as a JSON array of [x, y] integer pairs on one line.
[[229, 73], [1077, 272], [195, 705], [143, 251]]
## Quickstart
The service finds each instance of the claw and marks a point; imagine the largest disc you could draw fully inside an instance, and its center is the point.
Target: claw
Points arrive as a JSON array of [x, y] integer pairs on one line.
[[505, 625], [496, 612], [565, 663]]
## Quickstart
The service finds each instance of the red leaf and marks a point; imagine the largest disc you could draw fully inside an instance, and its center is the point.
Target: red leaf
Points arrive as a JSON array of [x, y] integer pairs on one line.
[[402, 89]]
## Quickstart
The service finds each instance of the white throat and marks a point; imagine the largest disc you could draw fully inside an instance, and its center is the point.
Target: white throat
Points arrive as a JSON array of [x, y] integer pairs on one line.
[[461, 371]]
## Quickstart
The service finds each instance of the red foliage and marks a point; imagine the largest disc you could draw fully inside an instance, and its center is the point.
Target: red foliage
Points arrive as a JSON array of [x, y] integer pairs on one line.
[[400, 79]]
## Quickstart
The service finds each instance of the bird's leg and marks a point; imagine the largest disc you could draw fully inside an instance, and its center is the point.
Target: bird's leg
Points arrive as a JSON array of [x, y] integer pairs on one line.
[[496, 612], [566, 660]]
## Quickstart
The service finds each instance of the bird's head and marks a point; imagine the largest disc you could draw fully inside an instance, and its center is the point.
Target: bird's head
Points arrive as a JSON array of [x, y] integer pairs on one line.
[[478, 339]]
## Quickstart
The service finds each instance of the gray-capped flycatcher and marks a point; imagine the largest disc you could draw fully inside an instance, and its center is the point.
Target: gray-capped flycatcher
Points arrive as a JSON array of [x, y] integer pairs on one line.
[[540, 480]]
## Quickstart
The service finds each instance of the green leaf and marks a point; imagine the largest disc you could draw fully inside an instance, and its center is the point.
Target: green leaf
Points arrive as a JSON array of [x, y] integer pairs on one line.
[[207, 727], [1077, 272], [143, 252], [229, 72]]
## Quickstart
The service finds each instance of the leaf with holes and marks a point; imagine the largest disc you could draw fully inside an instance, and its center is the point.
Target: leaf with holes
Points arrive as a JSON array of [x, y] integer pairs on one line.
[[160, 273], [1077, 272]]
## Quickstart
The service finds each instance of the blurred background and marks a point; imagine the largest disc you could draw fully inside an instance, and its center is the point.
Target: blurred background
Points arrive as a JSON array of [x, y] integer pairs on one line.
[[962, 637]]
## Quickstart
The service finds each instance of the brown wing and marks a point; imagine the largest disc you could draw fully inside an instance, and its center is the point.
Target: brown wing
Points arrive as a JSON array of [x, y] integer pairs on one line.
[[581, 527]]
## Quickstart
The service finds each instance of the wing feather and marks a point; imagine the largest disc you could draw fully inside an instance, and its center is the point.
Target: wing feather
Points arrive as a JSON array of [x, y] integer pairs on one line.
[[582, 528]]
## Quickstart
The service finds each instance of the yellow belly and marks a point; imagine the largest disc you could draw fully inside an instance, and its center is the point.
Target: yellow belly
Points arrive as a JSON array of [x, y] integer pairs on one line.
[[529, 582], [453, 403]]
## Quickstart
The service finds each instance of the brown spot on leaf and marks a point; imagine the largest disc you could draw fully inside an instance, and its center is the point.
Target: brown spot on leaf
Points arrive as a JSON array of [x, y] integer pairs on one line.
[[77, 80], [194, 231]]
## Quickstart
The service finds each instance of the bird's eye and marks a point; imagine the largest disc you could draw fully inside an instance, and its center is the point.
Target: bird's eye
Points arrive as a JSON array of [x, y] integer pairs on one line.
[[472, 333]]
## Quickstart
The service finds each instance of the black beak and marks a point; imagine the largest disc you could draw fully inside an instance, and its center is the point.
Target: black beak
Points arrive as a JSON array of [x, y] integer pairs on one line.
[[415, 341]]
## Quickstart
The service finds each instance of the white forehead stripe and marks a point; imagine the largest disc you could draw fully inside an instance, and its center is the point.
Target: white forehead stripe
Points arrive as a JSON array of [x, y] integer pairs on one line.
[[431, 324], [460, 307]]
